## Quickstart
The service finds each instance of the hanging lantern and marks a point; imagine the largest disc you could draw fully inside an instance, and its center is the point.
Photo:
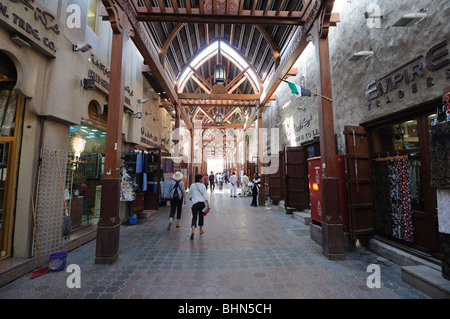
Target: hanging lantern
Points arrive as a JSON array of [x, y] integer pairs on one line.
[[78, 144], [220, 74], [219, 118]]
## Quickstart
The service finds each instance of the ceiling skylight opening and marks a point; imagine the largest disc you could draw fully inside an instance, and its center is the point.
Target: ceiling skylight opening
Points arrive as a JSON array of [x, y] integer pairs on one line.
[[212, 50]]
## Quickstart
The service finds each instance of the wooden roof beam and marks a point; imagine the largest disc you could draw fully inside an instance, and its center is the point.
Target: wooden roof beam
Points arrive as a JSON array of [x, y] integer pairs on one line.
[[271, 18]]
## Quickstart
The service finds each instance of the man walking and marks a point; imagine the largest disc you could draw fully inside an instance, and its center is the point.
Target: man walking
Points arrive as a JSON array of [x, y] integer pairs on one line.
[[212, 183], [233, 184]]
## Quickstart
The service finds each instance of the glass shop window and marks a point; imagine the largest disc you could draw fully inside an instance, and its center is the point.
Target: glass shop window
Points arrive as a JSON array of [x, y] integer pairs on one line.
[[399, 137]]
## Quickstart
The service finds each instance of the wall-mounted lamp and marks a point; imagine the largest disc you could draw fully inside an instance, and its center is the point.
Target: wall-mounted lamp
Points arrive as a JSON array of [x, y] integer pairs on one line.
[[410, 19], [142, 101], [138, 115], [88, 84], [20, 40], [82, 47], [361, 54]]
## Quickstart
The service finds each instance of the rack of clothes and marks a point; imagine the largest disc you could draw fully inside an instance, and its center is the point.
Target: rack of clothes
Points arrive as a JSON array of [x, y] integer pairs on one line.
[[392, 196]]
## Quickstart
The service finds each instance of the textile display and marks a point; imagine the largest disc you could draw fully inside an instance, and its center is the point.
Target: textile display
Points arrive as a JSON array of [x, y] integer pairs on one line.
[[381, 198], [440, 154], [167, 165], [128, 187], [443, 200], [8, 112], [392, 198]]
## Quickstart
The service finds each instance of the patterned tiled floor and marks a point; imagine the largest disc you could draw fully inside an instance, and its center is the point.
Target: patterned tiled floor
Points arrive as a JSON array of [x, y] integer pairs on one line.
[[245, 253]]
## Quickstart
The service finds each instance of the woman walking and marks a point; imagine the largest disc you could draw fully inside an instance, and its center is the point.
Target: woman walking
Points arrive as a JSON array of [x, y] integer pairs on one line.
[[199, 196], [177, 196], [255, 188]]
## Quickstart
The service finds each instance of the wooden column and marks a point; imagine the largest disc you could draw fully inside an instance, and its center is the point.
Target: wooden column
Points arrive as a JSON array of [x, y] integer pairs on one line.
[[108, 231], [191, 158], [261, 195], [332, 226]]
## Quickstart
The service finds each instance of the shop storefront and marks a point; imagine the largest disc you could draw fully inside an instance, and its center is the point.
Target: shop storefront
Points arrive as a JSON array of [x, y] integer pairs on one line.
[[404, 203], [85, 174], [11, 117]]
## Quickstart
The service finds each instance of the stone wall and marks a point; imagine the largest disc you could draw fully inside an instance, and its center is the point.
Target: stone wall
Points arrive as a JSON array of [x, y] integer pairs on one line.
[[411, 85]]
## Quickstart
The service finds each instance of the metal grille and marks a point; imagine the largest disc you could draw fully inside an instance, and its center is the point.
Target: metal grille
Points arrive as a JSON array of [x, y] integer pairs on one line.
[[50, 202]]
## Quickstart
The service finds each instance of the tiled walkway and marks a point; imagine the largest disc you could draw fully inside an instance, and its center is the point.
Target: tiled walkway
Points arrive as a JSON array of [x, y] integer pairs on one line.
[[245, 253]]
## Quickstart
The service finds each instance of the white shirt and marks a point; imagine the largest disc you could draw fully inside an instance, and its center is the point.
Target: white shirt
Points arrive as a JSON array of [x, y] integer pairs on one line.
[[233, 179], [198, 193]]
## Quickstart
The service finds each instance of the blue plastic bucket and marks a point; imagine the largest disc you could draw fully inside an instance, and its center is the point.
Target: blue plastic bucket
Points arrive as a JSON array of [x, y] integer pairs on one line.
[[132, 220], [58, 261]]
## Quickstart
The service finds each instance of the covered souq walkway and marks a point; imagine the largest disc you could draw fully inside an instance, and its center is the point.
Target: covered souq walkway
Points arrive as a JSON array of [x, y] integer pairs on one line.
[[245, 253], [224, 76]]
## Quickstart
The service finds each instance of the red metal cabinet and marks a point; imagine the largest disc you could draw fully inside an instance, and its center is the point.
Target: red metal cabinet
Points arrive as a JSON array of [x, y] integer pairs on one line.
[[315, 189]]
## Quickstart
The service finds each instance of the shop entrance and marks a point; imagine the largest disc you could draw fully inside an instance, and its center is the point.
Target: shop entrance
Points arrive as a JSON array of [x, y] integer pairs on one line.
[[86, 169], [404, 202], [389, 175], [11, 108]]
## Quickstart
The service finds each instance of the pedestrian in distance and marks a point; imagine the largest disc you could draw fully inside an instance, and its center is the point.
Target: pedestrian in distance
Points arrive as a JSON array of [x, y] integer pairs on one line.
[[255, 189], [200, 202], [177, 193], [245, 182], [233, 184], [212, 183], [205, 180]]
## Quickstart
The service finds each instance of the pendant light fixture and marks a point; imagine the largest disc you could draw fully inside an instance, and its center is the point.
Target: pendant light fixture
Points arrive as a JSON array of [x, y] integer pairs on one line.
[[220, 70]]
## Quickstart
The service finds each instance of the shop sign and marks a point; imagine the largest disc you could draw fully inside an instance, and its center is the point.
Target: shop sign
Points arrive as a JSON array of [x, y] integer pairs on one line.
[[389, 87], [148, 138], [33, 21], [101, 75]]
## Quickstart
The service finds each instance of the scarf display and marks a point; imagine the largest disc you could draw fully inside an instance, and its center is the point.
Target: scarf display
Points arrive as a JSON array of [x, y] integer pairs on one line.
[[392, 198], [440, 154]]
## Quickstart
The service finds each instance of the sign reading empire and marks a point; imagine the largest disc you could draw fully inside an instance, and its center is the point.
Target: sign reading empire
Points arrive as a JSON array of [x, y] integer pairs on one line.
[[389, 85]]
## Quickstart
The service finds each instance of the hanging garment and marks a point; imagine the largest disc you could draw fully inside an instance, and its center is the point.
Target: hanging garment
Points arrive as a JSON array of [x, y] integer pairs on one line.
[[381, 197], [400, 195], [396, 208], [405, 197], [443, 199], [139, 162], [440, 154]]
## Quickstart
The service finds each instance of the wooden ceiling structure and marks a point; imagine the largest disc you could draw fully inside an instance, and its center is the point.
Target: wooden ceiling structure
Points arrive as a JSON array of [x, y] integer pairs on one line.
[[267, 35]]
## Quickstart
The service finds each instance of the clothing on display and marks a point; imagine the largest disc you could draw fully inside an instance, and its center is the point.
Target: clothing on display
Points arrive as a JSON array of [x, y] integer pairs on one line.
[[440, 154], [443, 199], [392, 198]]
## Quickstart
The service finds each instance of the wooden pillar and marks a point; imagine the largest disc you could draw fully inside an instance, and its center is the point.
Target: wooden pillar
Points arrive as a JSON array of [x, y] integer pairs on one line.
[[332, 226], [108, 231], [191, 162], [245, 153], [261, 195]]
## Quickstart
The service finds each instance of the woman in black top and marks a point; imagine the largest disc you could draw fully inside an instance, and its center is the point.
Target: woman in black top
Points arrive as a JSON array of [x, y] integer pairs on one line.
[[255, 188]]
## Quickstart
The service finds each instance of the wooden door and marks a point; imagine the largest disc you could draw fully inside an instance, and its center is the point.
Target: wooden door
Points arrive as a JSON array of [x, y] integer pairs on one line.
[[276, 182], [296, 178], [359, 182]]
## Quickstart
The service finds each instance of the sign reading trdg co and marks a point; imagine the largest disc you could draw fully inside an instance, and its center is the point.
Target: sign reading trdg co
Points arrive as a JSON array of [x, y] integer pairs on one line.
[[387, 87], [33, 21]]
